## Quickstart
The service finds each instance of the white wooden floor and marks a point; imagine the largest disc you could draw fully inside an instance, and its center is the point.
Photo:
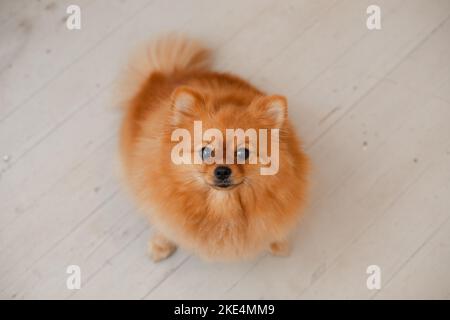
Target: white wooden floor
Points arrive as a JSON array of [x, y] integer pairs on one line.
[[372, 106]]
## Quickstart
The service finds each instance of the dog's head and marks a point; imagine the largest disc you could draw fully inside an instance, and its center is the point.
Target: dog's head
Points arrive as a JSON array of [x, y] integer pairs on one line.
[[226, 140]]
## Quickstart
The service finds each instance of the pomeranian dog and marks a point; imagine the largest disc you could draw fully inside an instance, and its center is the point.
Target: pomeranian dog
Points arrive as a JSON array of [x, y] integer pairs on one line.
[[220, 210]]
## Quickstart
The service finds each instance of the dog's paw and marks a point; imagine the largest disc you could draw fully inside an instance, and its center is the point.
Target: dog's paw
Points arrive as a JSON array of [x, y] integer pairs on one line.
[[280, 248], [160, 248]]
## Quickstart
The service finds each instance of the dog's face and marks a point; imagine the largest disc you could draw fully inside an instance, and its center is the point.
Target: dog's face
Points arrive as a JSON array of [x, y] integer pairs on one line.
[[227, 141]]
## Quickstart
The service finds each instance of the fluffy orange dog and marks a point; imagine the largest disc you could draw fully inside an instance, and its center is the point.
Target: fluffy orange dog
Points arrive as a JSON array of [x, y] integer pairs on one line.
[[219, 211]]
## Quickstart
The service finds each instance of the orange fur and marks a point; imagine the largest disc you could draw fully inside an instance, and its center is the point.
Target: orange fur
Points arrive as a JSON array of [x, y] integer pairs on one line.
[[260, 212]]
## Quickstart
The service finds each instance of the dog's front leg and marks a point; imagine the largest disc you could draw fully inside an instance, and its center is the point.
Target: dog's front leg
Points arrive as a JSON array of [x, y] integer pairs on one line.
[[280, 248], [160, 247]]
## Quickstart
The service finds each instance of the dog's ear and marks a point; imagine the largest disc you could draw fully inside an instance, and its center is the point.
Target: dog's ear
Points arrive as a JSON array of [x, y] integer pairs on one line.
[[272, 108], [185, 100]]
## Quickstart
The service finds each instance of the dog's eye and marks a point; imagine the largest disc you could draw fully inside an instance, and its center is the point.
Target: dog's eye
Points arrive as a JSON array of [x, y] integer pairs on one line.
[[206, 153], [242, 154]]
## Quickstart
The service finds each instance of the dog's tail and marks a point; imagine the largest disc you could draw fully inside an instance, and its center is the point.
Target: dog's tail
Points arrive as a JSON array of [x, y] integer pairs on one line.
[[176, 53], [170, 54]]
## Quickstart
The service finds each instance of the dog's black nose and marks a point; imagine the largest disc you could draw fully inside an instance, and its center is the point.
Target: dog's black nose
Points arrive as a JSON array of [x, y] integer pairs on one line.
[[222, 173]]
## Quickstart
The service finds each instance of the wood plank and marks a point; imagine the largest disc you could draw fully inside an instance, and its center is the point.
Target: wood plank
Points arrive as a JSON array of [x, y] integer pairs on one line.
[[425, 276], [431, 146], [38, 45], [10, 9], [407, 221]]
